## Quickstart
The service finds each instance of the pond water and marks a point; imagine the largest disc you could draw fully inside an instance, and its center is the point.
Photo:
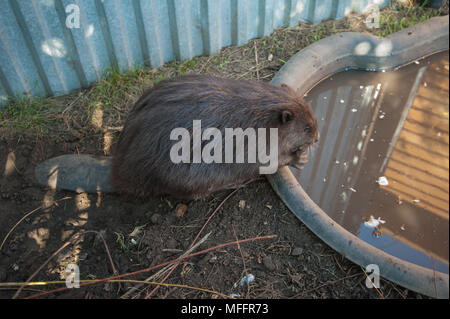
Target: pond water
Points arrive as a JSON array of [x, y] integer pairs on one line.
[[381, 167]]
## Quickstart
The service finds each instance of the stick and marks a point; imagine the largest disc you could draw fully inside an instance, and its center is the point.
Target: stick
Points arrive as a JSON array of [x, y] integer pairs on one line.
[[154, 267]]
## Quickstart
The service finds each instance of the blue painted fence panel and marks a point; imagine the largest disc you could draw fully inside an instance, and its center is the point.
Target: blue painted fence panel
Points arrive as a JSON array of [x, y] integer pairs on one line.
[[40, 55]]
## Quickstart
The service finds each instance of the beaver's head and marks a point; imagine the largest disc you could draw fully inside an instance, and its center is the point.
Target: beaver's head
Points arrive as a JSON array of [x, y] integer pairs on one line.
[[300, 131]]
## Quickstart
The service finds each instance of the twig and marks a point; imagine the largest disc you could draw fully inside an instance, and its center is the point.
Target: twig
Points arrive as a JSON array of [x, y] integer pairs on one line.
[[379, 292], [26, 215], [14, 227], [325, 284], [71, 241], [201, 230], [256, 60], [154, 267], [43, 283], [165, 269], [243, 261]]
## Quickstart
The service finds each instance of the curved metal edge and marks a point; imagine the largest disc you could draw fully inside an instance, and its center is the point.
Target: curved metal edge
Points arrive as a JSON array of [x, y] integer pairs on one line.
[[352, 50], [331, 55]]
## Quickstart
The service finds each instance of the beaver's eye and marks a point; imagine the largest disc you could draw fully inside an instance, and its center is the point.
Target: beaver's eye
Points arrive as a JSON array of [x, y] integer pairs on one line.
[[307, 129]]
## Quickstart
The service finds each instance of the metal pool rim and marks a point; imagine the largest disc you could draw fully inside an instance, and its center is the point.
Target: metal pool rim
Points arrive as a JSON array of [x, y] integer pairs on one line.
[[345, 51]]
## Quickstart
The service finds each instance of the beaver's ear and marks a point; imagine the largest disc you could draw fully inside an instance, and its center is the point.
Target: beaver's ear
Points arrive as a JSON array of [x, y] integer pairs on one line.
[[285, 116]]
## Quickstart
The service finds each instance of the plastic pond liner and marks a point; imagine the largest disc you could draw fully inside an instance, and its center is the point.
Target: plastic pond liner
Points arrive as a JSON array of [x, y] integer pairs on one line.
[[376, 185]]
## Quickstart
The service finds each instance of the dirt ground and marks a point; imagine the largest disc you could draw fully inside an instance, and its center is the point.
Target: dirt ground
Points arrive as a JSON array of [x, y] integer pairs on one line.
[[140, 233]]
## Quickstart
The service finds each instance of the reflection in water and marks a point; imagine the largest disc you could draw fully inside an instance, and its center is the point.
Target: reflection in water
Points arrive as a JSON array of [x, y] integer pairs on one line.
[[384, 156]]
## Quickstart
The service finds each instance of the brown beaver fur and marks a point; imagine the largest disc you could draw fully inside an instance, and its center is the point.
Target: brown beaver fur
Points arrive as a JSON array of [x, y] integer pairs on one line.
[[141, 164]]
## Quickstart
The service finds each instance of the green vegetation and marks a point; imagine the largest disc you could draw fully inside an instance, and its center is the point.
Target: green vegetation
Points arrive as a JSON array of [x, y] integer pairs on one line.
[[393, 19], [30, 115]]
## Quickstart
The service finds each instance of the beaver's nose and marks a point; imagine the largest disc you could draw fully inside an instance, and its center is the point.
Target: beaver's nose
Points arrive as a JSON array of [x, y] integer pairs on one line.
[[317, 137]]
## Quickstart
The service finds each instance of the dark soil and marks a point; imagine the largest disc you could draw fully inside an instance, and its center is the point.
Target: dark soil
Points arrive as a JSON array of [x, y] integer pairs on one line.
[[294, 264]]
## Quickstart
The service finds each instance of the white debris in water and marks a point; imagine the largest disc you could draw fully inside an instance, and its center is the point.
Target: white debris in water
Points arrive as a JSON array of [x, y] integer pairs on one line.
[[381, 116], [371, 139], [337, 162], [342, 101], [416, 62], [374, 223], [402, 227], [352, 189], [416, 200], [361, 87], [354, 110], [382, 180], [439, 134], [325, 97], [425, 84], [360, 145], [325, 180]]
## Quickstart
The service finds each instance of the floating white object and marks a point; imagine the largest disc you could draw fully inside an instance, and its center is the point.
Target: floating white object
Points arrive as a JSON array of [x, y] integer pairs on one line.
[[383, 181], [374, 223]]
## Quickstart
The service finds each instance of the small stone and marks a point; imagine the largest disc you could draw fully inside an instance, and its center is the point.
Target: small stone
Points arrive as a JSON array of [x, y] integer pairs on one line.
[[83, 256], [241, 204], [172, 243], [213, 260], [155, 219], [268, 263], [297, 251]]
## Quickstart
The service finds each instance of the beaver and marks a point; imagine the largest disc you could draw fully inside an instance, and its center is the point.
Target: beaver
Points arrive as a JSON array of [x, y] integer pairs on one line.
[[141, 164]]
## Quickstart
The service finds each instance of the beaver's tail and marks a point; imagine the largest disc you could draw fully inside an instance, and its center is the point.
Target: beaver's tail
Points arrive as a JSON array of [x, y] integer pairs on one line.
[[80, 173]]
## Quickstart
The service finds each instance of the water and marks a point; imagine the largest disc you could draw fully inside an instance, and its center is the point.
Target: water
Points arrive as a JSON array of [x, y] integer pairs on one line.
[[381, 168]]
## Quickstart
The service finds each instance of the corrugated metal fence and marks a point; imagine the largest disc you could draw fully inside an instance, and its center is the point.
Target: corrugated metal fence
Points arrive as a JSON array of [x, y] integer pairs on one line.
[[50, 47]]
